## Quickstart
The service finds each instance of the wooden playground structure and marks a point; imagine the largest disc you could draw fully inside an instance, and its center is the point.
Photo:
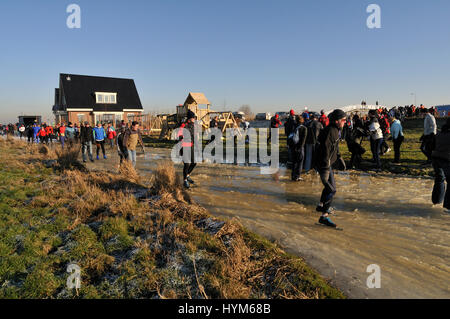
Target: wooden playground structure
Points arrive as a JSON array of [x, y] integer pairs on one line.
[[164, 124]]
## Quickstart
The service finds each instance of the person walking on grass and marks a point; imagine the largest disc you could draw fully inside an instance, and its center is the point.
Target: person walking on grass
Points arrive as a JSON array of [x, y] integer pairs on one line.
[[29, 133], [49, 131], [121, 149], [376, 138], [429, 134], [21, 130], [62, 134], [86, 139], [36, 130], [441, 164], [327, 154], [297, 141], [186, 134], [111, 134], [132, 137], [42, 135], [99, 136], [70, 135], [397, 136], [275, 123]]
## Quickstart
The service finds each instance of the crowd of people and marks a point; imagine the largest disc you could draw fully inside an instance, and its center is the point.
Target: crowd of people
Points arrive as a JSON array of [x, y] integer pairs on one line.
[[125, 139], [313, 142]]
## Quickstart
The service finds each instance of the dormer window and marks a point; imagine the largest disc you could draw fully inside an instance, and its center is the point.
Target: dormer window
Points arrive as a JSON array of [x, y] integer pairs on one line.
[[106, 98]]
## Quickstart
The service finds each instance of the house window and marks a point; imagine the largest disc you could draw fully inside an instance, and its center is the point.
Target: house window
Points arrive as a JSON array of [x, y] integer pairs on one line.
[[107, 118], [106, 98]]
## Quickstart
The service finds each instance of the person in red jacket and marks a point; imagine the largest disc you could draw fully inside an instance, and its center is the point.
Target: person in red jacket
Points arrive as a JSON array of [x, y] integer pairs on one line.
[[324, 119], [43, 135], [274, 123], [111, 134], [187, 147], [49, 131]]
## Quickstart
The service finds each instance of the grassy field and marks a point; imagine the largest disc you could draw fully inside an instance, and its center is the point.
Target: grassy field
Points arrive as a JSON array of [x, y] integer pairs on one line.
[[132, 238], [411, 156]]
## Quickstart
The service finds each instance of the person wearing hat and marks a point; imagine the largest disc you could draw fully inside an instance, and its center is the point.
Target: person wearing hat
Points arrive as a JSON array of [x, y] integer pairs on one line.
[[327, 154], [86, 139], [324, 120], [187, 147], [275, 123]]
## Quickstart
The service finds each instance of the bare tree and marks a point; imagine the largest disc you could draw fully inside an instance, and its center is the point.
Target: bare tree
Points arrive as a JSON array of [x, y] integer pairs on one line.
[[247, 111]]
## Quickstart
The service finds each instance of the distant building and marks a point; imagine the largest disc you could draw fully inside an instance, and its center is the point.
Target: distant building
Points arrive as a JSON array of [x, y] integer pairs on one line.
[[81, 98], [30, 119]]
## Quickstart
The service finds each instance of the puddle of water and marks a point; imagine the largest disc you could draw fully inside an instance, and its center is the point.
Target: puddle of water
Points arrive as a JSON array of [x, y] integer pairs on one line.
[[387, 221]]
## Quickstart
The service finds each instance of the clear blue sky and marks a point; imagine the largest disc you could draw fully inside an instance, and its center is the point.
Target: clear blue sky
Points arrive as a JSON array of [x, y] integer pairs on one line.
[[269, 54]]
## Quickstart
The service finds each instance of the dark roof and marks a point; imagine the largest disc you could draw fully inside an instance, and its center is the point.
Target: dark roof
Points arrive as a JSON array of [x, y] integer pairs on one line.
[[79, 92]]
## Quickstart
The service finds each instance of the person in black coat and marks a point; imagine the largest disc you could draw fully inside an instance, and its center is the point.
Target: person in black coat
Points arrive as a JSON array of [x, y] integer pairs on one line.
[[327, 154], [87, 139], [298, 148], [289, 127], [441, 163]]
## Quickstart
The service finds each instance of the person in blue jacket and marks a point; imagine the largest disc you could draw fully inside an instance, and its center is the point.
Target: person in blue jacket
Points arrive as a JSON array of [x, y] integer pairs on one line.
[[36, 130], [99, 136]]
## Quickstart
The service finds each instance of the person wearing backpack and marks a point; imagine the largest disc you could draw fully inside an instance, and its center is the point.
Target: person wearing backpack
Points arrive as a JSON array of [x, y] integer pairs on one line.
[[289, 126], [314, 127], [297, 143], [354, 139], [441, 164], [327, 154]]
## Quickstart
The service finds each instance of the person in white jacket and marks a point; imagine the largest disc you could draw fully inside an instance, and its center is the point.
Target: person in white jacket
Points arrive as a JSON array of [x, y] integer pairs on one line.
[[376, 138], [429, 135]]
